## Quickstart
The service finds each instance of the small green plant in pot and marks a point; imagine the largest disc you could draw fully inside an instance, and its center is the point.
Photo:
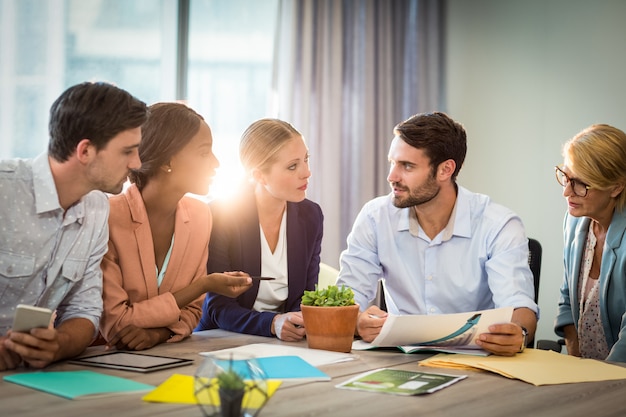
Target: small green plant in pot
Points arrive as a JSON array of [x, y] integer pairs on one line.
[[231, 391], [330, 316], [229, 384]]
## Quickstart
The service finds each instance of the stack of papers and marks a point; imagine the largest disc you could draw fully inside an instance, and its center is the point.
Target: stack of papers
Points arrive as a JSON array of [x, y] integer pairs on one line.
[[535, 366], [279, 362]]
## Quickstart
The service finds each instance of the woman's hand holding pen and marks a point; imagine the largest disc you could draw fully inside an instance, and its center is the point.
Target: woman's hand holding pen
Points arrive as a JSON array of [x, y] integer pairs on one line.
[[370, 322], [229, 284]]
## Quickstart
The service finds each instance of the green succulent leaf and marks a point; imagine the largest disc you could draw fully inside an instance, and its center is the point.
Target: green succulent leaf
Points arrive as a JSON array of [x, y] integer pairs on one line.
[[332, 296]]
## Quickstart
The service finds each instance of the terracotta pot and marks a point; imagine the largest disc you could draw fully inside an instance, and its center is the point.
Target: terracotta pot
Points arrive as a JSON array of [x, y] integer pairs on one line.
[[330, 328]]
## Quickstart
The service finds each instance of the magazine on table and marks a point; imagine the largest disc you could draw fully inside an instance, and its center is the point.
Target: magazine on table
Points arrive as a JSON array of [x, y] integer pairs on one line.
[[399, 382]]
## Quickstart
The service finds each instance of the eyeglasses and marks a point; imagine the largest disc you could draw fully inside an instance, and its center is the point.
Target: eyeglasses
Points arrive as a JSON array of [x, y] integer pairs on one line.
[[579, 188]]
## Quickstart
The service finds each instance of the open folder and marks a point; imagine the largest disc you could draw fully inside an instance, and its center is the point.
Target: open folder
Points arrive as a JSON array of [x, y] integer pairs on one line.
[[535, 366]]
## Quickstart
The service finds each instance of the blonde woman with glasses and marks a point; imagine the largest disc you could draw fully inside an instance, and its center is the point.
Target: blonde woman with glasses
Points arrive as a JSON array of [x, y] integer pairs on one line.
[[592, 305]]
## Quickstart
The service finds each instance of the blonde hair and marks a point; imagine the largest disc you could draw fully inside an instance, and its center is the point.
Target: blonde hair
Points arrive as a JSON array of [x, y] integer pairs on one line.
[[598, 155], [261, 142]]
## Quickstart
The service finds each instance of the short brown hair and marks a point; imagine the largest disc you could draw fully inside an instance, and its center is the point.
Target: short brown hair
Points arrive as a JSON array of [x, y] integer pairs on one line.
[[96, 111], [440, 137]]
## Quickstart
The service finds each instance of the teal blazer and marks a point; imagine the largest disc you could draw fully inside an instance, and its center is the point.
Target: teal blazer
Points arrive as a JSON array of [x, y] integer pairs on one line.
[[612, 281]]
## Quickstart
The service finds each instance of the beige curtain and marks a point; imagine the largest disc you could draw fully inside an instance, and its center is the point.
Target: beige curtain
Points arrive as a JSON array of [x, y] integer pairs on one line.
[[345, 73]]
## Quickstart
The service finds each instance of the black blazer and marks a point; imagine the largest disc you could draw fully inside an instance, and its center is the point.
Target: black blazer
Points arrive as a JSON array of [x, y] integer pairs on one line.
[[235, 245]]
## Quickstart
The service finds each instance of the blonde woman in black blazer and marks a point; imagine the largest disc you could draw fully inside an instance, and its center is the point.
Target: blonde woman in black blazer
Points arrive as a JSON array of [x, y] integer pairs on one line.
[[269, 218]]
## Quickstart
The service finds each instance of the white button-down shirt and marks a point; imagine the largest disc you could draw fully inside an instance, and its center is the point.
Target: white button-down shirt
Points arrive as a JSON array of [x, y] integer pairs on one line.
[[479, 261], [48, 257]]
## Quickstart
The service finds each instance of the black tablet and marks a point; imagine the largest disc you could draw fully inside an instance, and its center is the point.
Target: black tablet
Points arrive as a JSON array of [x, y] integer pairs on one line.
[[129, 361]]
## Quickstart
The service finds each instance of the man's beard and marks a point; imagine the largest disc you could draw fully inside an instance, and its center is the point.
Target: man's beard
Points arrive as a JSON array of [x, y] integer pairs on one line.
[[419, 195]]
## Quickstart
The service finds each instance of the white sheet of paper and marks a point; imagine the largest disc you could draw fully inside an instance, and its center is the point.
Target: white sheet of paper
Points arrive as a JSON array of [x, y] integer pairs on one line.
[[315, 357]]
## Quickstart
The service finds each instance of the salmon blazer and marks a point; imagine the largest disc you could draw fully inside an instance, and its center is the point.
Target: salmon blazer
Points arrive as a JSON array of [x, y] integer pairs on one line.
[[130, 291]]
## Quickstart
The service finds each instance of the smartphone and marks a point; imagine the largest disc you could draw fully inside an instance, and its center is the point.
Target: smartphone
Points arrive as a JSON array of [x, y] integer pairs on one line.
[[30, 317], [255, 278]]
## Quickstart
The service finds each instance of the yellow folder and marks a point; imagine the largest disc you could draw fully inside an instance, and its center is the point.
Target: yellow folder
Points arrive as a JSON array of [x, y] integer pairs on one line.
[[535, 366], [180, 389]]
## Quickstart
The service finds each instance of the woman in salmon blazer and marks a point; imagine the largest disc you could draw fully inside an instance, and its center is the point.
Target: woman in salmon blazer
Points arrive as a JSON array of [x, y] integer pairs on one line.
[[154, 274]]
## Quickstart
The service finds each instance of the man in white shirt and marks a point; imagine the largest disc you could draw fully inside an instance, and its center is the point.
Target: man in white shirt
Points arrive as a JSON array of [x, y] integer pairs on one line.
[[53, 221], [440, 248]]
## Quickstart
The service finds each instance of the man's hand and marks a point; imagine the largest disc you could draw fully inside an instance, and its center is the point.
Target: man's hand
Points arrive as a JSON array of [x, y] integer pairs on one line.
[[503, 339], [370, 322], [8, 358], [229, 284], [507, 339], [289, 326], [38, 348], [137, 338]]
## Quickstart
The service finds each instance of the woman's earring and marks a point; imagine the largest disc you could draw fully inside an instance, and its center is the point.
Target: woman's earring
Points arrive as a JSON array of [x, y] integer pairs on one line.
[[169, 170]]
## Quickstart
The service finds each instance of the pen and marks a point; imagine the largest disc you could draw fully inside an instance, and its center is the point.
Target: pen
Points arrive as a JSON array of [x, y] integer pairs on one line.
[[256, 277]]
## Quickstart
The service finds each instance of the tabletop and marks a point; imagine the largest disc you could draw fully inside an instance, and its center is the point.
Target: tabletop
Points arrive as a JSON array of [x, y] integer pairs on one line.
[[481, 394]]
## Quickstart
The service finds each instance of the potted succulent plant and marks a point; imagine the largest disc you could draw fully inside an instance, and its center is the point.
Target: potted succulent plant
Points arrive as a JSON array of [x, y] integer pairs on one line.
[[330, 316], [230, 384]]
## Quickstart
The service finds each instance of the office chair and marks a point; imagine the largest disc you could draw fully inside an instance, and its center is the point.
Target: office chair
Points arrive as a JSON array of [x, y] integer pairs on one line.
[[535, 252], [534, 260]]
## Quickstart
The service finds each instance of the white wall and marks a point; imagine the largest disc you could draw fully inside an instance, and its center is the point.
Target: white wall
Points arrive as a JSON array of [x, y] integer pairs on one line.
[[523, 77]]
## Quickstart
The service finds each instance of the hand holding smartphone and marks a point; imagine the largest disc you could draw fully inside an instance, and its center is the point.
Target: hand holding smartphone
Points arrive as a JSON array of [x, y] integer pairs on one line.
[[30, 317]]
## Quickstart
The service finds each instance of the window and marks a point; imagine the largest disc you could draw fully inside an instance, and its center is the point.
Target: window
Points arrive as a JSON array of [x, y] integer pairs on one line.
[[230, 70], [47, 46]]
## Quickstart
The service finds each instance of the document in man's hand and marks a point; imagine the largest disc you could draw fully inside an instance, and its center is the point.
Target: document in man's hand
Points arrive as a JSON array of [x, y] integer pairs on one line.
[[453, 333]]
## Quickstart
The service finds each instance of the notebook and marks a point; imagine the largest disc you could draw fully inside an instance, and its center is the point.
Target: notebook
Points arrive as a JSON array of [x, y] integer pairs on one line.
[[77, 384], [279, 367]]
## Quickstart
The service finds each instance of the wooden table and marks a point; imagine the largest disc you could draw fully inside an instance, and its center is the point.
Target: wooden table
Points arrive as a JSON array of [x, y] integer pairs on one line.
[[481, 394]]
